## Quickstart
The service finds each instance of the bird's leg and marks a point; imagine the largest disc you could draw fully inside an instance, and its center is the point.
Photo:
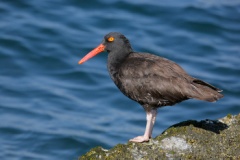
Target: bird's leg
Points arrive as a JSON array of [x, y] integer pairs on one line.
[[151, 117], [154, 115]]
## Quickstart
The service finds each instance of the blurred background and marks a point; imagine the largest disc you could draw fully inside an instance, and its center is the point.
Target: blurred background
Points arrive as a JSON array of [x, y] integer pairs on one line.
[[53, 108]]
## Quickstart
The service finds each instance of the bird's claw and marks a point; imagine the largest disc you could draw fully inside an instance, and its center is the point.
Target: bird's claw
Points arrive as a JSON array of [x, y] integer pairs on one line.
[[139, 139]]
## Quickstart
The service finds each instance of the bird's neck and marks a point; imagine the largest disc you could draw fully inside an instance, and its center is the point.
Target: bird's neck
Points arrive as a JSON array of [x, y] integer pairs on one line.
[[115, 59]]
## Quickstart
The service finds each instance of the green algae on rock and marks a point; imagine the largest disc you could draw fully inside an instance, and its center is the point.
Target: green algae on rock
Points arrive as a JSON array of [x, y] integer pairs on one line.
[[206, 139]]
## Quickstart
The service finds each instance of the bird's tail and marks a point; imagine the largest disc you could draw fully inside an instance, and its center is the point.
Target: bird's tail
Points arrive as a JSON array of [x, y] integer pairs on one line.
[[204, 91]]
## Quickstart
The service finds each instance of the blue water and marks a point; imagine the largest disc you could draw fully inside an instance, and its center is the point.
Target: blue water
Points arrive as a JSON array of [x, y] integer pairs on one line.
[[53, 108]]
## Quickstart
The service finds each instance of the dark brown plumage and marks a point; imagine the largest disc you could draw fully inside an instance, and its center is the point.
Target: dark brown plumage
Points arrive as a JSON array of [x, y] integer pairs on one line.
[[156, 81], [150, 80]]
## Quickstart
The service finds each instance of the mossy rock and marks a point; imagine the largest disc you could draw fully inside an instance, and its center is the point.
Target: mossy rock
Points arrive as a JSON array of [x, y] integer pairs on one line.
[[206, 139]]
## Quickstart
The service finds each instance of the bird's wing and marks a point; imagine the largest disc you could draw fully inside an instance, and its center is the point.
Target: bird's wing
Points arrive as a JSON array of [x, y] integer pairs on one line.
[[151, 79]]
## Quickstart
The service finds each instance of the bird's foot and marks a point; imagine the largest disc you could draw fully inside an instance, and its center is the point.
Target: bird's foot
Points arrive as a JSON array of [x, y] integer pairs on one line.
[[139, 139]]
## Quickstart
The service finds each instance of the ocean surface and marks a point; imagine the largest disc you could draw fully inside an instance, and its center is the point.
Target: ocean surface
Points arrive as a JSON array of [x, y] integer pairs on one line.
[[51, 108]]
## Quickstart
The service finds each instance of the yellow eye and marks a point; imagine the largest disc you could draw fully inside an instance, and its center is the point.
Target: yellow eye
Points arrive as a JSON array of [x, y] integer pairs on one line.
[[110, 39]]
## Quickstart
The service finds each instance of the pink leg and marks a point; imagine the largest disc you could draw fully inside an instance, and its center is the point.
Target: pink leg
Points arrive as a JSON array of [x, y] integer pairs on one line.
[[151, 117]]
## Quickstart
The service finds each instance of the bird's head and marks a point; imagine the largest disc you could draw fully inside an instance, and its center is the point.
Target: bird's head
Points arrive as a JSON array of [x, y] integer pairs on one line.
[[114, 43]]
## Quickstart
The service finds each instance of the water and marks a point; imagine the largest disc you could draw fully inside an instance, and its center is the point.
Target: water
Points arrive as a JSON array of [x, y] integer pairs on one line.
[[53, 108]]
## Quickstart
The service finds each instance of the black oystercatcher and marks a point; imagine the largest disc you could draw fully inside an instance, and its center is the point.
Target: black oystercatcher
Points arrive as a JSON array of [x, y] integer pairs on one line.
[[150, 80]]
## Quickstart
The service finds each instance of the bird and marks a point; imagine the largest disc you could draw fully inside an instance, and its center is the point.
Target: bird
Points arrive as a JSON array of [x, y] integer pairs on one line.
[[150, 80]]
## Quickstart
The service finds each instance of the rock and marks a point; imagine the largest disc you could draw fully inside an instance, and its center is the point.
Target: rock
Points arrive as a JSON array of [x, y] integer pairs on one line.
[[206, 139]]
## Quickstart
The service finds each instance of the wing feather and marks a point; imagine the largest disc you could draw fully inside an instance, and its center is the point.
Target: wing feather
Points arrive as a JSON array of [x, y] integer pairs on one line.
[[150, 79]]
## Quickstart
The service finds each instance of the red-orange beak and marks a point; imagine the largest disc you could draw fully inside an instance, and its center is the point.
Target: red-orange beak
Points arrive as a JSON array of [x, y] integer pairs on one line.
[[93, 53]]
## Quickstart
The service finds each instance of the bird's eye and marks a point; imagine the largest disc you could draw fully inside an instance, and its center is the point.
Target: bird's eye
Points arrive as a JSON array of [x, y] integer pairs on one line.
[[110, 39]]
